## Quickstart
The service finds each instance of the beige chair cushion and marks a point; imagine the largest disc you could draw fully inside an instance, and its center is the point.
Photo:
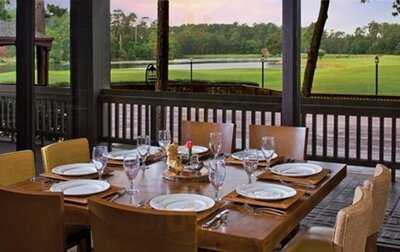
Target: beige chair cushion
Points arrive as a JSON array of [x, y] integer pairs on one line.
[[314, 239]]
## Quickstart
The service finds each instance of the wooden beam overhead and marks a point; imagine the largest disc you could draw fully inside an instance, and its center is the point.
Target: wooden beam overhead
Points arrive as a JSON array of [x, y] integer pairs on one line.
[[25, 105], [90, 63], [162, 45], [291, 62]]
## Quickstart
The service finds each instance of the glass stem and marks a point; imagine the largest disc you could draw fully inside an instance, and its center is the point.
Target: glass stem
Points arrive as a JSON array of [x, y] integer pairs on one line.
[[100, 175], [216, 194], [249, 175], [131, 186]]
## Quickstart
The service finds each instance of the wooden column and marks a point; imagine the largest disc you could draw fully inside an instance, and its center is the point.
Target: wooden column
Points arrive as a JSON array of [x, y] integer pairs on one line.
[[42, 61], [291, 62], [25, 109], [162, 45], [90, 63]]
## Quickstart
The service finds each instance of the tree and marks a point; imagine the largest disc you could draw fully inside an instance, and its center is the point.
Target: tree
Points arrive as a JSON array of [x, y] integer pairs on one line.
[[316, 43], [314, 48], [54, 10], [4, 14]]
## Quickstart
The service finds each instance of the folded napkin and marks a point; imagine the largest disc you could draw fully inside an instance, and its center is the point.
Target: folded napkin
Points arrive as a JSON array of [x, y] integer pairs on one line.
[[51, 175], [233, 161]]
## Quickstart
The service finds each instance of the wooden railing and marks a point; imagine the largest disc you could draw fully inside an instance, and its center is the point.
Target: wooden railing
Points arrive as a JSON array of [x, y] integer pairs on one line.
[[53, 112], [361, 132]]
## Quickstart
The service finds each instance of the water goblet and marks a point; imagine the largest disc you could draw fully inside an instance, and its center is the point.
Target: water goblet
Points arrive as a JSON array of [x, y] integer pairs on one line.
[[268, 149], [164, 138], [250, 163], [216, 175], [143, 148], [215, 143], [131, 166], [99, 159]]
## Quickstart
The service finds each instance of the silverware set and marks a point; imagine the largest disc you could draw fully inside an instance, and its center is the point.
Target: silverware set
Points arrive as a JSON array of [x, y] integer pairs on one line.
[[218, 220]]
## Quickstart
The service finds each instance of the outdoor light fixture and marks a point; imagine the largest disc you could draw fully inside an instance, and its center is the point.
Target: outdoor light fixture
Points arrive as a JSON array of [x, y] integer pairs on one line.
[[376, 74]]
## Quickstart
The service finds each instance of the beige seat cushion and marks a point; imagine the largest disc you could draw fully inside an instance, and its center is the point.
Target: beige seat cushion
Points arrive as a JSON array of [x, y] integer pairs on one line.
[[314, 239]]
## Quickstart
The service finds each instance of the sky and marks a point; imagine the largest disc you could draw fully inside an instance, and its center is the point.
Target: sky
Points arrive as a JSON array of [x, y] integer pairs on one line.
[[344, 15]]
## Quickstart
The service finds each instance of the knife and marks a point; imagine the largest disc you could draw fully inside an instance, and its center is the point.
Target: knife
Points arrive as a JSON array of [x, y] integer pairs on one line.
[[216, 218]]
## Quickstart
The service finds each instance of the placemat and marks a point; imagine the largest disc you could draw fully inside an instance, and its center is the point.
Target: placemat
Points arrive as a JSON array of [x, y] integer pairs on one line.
[[50, 175], [310, 180], [278, 204]]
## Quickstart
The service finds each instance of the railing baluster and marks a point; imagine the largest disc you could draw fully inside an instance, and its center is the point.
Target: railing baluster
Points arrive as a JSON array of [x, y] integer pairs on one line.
[[346, 138], [171, 120], [205, 111], [234, 132], [381, 138], [273, 118], [196, 114], [335, 135], [147, 119], [109, 127], [369, 138], [179, 124], [224, 115], [189, 113], [253, 117], [123, 120], [394, 139], [358, 136], [314, 135], [116, 118], [139, 126], [244, 122], [324, 135], [215, 115], [132, 126]]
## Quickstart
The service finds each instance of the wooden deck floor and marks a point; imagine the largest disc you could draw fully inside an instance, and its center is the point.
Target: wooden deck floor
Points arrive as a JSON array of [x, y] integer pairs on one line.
[[325, 212]]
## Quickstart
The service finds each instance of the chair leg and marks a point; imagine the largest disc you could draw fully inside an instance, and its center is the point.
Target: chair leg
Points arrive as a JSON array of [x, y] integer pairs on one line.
[[371, 243], [85, 244]]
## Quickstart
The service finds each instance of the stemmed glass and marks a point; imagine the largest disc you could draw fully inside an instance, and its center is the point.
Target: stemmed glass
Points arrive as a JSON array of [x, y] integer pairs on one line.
[[250, 163], [131, 167], [268, 149], [164, 139], [143, 143], [99, 159], [215, 143], [216, 175]]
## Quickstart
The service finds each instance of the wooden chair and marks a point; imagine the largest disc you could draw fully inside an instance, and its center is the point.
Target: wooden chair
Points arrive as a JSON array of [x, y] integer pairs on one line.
[[16, 167], [32, 221], [380, 196], [124, 229], [350, 232], [199, 133], [290, 142], [66, 152]]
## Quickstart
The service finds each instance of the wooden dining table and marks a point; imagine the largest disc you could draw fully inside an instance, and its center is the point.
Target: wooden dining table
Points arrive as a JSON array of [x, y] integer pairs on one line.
[[243, 231]]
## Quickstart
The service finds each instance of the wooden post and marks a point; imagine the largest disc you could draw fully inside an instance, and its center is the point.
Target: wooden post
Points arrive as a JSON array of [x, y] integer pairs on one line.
[[25, 105], [90, 63], [158, 113], [42, 60], [291, 62], [162, 45]]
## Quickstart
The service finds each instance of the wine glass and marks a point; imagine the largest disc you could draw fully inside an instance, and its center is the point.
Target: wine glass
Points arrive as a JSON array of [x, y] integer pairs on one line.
[[131, 166], [99, 159], [216, 175], [250, 163], [268, 149], [143, 143], [164, 139], [215, 143]]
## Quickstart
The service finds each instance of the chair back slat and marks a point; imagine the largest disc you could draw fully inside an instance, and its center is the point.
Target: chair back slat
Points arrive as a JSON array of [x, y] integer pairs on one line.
[[125, 229], [290, 142], [31, 222]]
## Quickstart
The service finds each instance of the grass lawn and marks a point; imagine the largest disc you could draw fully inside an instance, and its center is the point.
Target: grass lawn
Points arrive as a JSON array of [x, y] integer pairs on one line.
[[335, 74]]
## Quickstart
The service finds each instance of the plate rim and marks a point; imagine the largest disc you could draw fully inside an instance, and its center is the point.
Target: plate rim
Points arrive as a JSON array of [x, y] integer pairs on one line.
[[274, 156], [196, 145], [54, 170], [107, 186], [265, 184], [212, 202], [109, 155], [273, 170]]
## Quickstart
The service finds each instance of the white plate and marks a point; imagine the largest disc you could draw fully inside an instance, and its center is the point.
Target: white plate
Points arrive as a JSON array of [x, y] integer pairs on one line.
[[266, 191], [182, 202], [80, 187], [78, 169], [196, 149], [240, 155], [121, 154], [296, 169]]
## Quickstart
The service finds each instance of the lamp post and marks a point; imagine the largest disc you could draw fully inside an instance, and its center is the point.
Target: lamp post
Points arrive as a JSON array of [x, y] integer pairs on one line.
[[376, 74], [262, 70]]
